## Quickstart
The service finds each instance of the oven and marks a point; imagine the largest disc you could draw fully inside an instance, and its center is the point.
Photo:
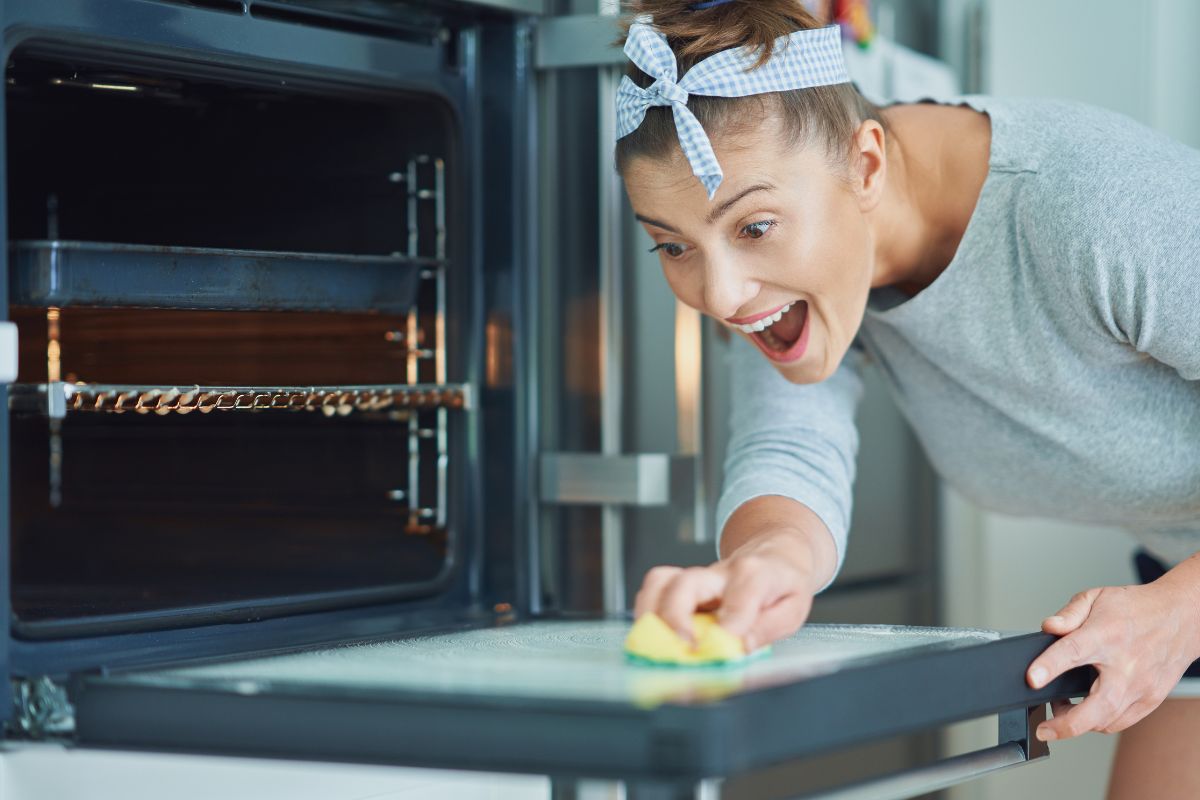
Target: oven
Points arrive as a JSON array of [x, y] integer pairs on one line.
[[276, 482]]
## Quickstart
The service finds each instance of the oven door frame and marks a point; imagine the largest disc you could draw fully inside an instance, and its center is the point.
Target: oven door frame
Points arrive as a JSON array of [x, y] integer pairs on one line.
[[682, 743]]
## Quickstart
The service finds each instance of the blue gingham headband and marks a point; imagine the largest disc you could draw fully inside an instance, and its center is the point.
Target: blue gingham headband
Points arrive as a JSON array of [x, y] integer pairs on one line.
[[798, 61]]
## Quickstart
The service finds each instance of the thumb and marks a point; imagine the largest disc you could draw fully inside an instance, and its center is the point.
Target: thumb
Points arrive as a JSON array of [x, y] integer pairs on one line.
[[1072, 615], [782, 619]]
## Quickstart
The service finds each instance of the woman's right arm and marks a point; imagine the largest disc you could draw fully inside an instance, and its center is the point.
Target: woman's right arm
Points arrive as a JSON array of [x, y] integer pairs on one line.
[[784, 510]]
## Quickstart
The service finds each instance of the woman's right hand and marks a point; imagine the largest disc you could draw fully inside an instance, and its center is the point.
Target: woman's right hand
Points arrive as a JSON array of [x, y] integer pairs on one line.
[[761, 592]]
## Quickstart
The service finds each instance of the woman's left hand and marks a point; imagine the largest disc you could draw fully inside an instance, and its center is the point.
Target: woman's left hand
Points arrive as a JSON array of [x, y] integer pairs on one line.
[[1141, 639]]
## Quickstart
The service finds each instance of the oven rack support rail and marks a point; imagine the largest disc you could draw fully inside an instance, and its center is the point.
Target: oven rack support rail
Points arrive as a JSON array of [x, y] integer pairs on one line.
[[415, 330], [61, 274], [59, 398]]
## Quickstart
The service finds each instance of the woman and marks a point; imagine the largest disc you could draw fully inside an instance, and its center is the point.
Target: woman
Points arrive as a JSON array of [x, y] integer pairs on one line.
[[1024, 273]]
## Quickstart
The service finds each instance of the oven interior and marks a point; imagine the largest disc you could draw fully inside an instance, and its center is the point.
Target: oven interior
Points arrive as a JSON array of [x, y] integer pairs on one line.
[[233, 295]]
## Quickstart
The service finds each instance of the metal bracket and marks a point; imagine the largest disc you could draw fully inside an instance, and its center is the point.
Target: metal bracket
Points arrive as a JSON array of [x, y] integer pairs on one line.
[[1020, 725], [41, 709], [642, 479]]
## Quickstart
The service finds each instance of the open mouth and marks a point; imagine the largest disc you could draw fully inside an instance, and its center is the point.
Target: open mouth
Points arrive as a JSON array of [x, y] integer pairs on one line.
[[786, 338]]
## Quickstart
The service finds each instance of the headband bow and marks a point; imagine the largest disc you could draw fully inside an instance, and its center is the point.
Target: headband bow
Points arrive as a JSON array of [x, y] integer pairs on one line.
[[800, 60]]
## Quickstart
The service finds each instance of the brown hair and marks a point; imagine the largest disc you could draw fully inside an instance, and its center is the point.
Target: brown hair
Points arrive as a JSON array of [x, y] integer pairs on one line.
[[826, 115]]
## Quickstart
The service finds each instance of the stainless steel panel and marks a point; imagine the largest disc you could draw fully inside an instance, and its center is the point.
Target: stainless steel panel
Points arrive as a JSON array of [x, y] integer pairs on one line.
[[580, 40], [612, 330], [645, 479]]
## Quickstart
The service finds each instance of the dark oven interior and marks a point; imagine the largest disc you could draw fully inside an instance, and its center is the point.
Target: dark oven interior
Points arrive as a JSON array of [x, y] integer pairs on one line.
[[231, 297]]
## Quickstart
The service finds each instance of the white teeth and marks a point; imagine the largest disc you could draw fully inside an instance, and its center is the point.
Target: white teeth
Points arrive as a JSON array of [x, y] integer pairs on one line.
[[765, 322]]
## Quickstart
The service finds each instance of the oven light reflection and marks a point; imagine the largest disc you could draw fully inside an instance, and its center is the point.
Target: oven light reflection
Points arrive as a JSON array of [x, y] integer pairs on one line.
[[115, 87], [109, 87]]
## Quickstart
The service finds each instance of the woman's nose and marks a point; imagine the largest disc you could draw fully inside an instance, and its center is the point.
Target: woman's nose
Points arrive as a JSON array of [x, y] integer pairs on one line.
[[726, 290]]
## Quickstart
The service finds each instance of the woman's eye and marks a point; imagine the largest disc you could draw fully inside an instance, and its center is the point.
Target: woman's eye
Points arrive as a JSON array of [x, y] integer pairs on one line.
[[757, 230], [670, 248]]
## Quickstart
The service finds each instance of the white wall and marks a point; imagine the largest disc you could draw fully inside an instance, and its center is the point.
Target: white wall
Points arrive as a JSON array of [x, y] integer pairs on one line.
[[1139, 58]]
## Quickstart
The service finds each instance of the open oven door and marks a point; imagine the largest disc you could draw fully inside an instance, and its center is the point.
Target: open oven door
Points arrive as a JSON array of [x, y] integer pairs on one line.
[[558, 697]]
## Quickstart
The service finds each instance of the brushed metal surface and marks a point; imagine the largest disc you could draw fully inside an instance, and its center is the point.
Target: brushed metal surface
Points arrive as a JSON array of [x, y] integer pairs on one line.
[[579, 40], [641, 479]]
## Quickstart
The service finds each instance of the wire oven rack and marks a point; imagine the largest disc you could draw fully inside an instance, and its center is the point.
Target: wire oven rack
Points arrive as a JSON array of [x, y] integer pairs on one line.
[[57, 398]]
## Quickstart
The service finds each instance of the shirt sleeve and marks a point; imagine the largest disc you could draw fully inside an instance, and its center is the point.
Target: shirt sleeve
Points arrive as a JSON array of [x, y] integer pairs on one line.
[[1135, 245], [1153, 287], [1157, 307], [792, 440]]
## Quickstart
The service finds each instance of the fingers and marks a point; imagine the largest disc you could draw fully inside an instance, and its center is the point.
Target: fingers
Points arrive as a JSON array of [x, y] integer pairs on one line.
[[782, 619], [745, 597], [688, 589], [653, 584], [1133, 715], [1060, 707], [1098, 710], [1125, 633], [1072, 614], [747, 592], [1073, 650]]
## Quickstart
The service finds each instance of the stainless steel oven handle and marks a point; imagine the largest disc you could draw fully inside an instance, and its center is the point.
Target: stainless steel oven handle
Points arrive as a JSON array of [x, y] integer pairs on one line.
[[900, 785], [8, 352], [932, 778], [1017, 745]]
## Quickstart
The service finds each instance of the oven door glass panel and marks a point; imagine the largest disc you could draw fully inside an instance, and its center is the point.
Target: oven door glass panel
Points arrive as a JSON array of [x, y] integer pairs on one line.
[[559, 696]]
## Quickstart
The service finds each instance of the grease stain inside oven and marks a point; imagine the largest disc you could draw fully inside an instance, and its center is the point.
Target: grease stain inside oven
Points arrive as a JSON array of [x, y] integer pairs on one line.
[[117, 517]]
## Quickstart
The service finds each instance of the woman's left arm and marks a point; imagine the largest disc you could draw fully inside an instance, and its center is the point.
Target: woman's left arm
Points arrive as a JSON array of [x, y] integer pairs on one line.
[[1141, 639]]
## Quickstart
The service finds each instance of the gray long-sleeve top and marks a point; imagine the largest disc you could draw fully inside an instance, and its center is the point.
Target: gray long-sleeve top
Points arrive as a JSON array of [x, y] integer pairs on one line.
[[1053, 368]]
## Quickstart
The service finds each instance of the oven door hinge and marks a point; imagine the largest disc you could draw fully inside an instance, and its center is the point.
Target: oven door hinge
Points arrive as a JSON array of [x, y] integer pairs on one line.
[[41, 710]]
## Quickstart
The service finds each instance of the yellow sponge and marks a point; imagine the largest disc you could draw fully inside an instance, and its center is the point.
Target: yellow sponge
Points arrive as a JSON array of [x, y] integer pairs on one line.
[[650, 639]]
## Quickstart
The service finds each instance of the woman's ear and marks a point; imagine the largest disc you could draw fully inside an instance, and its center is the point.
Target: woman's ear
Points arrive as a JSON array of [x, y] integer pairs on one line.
[[868, 169]]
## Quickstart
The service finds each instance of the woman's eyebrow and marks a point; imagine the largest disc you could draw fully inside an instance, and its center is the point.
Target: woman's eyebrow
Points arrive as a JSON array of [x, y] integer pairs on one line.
[[716, 213], [655, 223]]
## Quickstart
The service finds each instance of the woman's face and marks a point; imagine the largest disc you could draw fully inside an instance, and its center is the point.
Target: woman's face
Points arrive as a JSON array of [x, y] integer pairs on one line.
[[785, 238]]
